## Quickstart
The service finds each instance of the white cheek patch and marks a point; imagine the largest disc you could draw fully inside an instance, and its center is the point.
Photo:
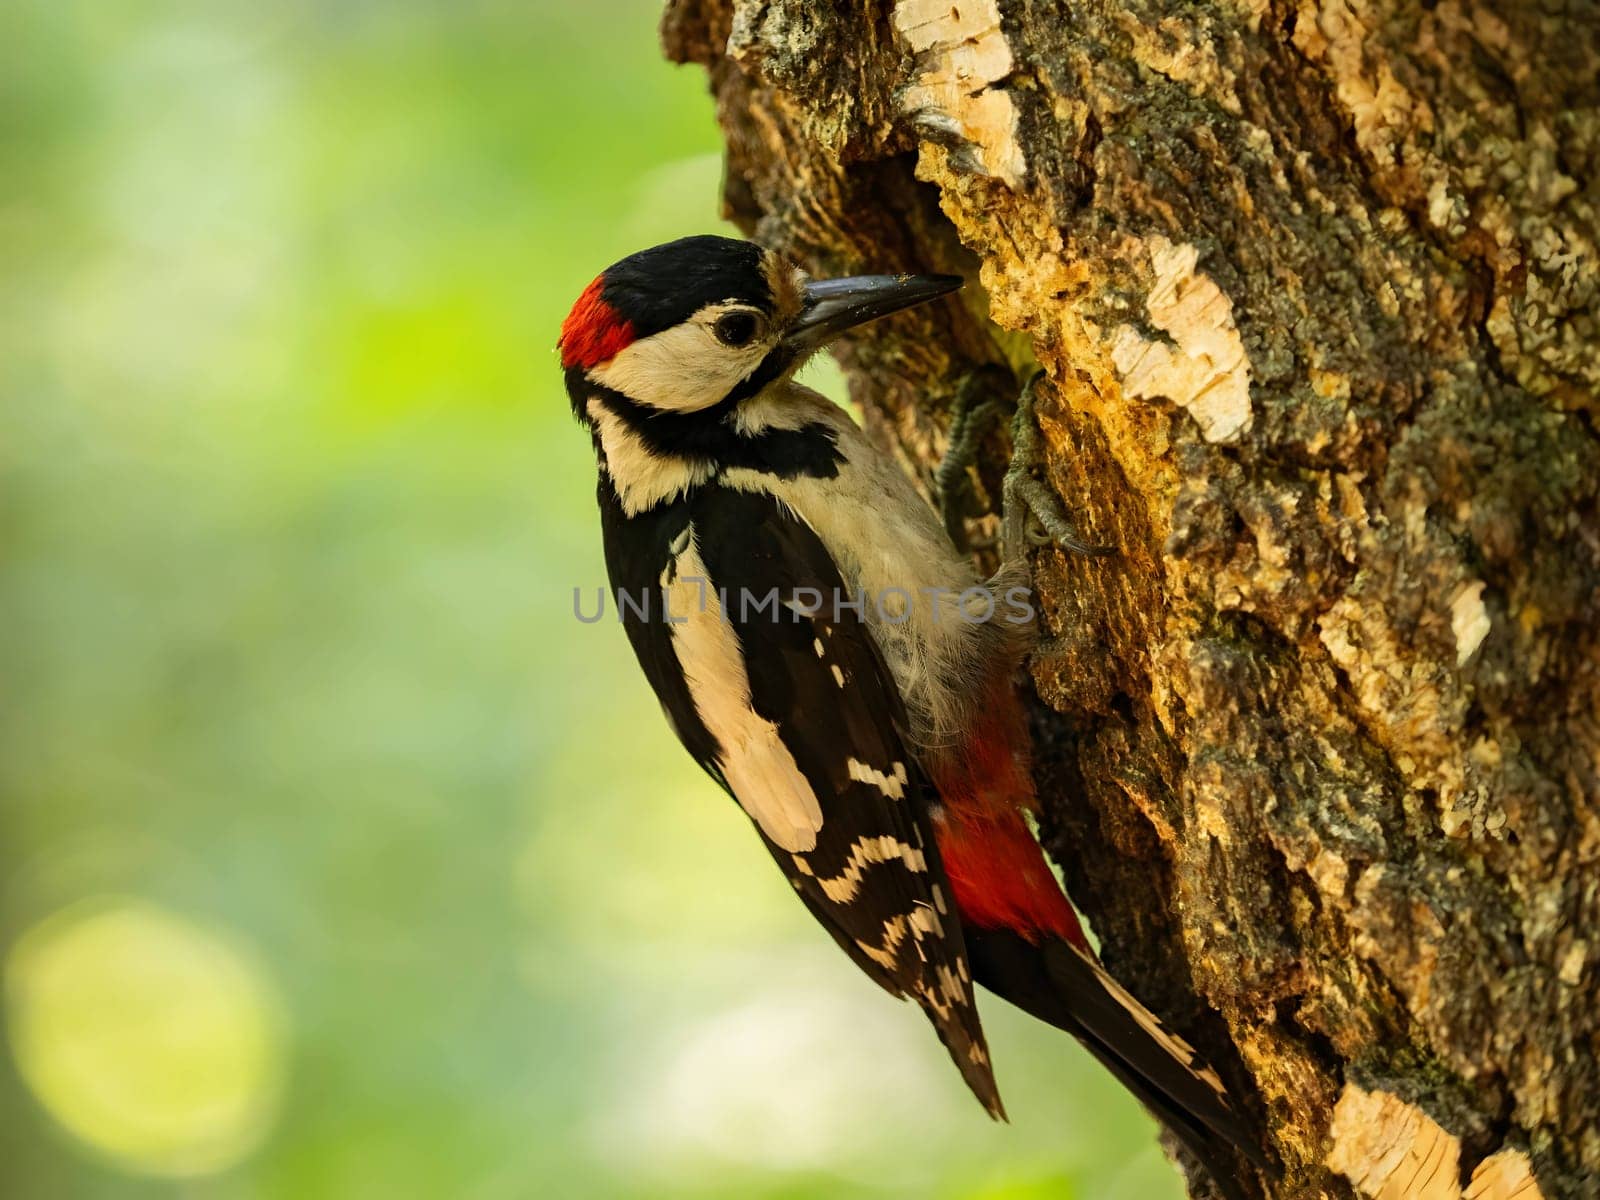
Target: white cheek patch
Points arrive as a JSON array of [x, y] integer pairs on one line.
[[761, 773], [642, 478], [682, 369]]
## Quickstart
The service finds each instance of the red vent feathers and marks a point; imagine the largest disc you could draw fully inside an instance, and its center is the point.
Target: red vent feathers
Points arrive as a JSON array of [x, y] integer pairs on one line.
[[1001, 880], [593, 331], [996, 869]]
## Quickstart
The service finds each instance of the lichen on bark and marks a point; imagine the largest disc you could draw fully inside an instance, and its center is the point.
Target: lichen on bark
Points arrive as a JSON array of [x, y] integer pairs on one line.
[[1316, 286]]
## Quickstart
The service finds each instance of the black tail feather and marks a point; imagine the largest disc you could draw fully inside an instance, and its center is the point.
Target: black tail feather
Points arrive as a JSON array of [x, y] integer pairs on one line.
[[1066, 988]]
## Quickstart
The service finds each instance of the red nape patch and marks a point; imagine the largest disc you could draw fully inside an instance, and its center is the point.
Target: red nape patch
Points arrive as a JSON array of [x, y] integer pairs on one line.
[[593, 332], [1001, 880]]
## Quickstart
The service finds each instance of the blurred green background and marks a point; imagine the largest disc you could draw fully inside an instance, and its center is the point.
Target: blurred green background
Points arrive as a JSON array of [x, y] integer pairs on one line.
[[338, 859]]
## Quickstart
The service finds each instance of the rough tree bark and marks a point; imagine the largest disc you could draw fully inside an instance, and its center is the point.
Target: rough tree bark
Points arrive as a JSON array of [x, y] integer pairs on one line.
[[1316, 286]]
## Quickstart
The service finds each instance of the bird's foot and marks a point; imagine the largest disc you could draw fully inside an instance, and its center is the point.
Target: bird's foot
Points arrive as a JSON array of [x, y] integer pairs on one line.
[[1034, 514], [982, 397]]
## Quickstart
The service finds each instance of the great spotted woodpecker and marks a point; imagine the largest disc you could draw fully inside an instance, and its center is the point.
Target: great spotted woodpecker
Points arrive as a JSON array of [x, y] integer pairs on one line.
[[826, 654]]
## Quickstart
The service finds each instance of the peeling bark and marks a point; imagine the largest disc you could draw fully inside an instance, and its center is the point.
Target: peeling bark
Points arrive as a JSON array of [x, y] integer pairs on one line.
[[1316, 286], [1392, 1150]]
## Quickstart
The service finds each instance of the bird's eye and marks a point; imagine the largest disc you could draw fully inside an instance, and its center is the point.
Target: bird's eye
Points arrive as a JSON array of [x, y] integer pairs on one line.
[[736, 328]]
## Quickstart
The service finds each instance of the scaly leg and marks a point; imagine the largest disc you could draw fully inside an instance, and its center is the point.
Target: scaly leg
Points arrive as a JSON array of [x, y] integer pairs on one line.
[[982, 397], [1027, 496]]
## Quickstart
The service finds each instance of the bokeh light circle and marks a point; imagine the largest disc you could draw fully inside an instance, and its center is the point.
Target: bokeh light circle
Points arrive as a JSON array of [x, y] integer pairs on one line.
[[153, 1039]]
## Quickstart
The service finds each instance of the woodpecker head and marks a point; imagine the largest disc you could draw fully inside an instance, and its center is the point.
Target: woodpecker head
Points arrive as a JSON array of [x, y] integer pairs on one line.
[[697, 325]]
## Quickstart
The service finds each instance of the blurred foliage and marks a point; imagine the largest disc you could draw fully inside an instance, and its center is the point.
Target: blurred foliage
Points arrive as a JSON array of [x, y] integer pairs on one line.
[[338, 859]]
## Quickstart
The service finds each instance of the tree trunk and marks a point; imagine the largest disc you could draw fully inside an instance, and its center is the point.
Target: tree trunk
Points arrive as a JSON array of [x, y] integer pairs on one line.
[[1316, 289]]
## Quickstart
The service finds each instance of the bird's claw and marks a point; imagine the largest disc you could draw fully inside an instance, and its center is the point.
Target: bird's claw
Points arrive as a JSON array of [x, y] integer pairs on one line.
[[981, 397], [1034, 514]]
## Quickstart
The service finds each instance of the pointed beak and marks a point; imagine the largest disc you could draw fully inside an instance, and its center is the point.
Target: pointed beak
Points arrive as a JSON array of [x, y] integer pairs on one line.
[[835, 305]]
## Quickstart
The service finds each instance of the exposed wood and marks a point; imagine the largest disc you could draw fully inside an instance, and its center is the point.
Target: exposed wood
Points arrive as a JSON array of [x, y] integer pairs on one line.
[[1392, 1150], [1317, 289]]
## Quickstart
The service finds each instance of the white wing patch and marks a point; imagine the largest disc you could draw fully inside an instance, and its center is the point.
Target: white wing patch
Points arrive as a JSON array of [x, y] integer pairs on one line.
[[761, 773], [892, 785], [842, 888]]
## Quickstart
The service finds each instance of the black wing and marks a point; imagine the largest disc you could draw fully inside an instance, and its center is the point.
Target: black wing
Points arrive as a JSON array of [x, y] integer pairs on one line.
[[840, 802]]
